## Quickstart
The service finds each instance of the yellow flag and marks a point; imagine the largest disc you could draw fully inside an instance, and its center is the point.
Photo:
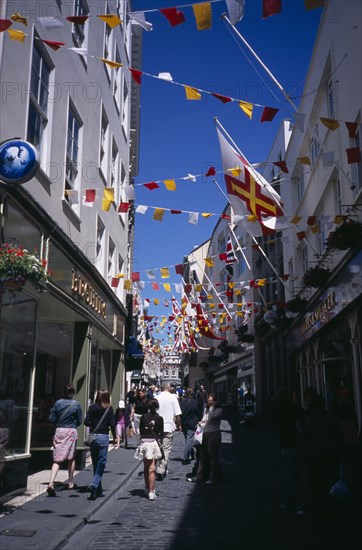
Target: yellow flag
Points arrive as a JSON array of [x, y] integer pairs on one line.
[[158, 214], [192, 93], [209, 296], [164, 272], [252, 218], [338, 220], [315, 229], [156, 301], [235, 171], [304, 160], [261, 282], [112, 64], [239, 314], [167, 287], [231, 285], [330, 123], [296, 219], [203, 16], [198, 288], [211, 306], [247, 108], [16, 35], [206, 214], [111, 20], [106, 204], [120, 275], [127, 285], [108, 194], [237, 292], [19, 18], [209, 262], [163, 321], [170, 185]]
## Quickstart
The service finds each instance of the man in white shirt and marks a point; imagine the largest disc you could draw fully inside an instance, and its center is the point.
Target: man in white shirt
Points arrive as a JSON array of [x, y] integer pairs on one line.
[[170, 411]]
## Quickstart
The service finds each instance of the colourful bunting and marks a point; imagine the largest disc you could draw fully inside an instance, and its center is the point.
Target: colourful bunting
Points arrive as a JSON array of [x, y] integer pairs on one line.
[[352, 129], [167, 287], [90, 195], [111, 20], [151, 186], [353, 155], [111, 64], [209, 262], [108, 198], [203, 15], [16, 35], [5, 24], [176, 211], [282, 165], [206, 214], [222, 98], [136, 75], [211, 172], [304, 160], [19, 18], [301, 235], [127, 285], [330, 123], [311, 220], [53, 44], [246, 107], [77, 19], [296, 220], [155, 286], [135, 276], [312, 4], [170, 185], [315, 229], [236, 10], [123, 207], [173, 16], [158, 214], [192, 93], [165, 274], [268, 114], [179, 269], [115, 282], [271, 7]]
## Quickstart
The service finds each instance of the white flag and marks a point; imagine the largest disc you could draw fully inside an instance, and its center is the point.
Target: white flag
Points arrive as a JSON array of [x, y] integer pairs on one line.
[[236, 10], [138, 18]]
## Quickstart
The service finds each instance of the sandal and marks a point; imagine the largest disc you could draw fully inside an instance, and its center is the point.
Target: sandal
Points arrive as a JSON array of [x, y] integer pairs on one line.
[[71, 486], [50, 491]]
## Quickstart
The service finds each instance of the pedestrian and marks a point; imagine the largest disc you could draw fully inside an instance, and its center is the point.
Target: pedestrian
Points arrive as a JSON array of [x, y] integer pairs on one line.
[[100, 419], [170, 411], [201, 398], [140, 407], [149, 448], [322, 438], [150, 391], [288, 417], [189, 420], [209, 464], [67, 416], [122, 420]]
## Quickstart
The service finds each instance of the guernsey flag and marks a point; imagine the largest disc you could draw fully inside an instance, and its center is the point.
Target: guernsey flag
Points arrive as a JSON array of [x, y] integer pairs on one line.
[[248, 192]]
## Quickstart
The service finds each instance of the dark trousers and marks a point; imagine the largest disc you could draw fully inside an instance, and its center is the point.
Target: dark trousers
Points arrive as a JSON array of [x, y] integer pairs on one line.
[[209, 465]]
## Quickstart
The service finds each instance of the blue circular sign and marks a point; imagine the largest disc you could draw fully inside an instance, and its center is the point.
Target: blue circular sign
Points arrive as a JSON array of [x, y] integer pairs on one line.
[[19, 161]]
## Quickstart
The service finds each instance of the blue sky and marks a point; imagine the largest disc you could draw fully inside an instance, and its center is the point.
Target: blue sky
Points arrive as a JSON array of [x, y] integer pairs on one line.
[[178, 136]]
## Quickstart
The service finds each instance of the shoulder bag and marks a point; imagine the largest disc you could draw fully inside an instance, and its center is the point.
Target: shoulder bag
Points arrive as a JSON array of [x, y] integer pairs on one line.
[[91, 436]]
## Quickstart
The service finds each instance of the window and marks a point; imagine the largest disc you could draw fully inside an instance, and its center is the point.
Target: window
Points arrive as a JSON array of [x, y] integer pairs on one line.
[[104, 144], [357, 167], [117, 83], [125, 112], [221, 244], [111, 255], [79, 31], [72, 162], [107, 48], [305, 260], [300, 184], [120, 263], [100, 242], [314, 145], [337, 195], [38, 101], [321, 235], [330, 99]]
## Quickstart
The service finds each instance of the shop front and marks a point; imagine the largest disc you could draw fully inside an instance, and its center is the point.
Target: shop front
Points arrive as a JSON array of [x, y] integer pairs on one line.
[[67, 330]]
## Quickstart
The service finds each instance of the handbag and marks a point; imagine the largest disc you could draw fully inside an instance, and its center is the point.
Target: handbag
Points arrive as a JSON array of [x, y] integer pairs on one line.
[[91, 436], [198, 435]]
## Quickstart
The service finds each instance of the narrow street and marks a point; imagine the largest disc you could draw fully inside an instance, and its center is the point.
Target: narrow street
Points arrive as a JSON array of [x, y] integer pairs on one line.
[[243, 510]]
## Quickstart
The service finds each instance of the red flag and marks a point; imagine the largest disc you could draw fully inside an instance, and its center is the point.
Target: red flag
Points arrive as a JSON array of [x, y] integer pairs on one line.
[[271, 7], [151, 186], [173, 16], [204, 326], [311, 220], [176, 211], [268, 114], [155, 286], [352, 129], [282, 165], [136, 75], [211, 172], [301, 235], [123, 207], [5, 24], [115, 282], [353, 155], [53, 44], [179, 269], [77, 19], [248, 192], [222, 98], [225, 217], [90, 195], [135, 276]]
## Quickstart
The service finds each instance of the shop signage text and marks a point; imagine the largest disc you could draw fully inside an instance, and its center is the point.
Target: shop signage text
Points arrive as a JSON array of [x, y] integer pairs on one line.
[[328, 303], [83, 289]]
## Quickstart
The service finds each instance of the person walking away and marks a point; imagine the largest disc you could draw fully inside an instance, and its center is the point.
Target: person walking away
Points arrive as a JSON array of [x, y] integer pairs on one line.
[[209, 464], [140, 408], [288, 417], [189, 420], [100, 419], [201, 398], [66, 415], [122, 420], [150, 391], [170, 411], [322, 439], [149, 448]]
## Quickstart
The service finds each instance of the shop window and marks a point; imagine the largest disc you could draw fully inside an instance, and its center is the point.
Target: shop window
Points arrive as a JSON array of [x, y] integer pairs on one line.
[[19, 230], [38, 115], [17, 328]]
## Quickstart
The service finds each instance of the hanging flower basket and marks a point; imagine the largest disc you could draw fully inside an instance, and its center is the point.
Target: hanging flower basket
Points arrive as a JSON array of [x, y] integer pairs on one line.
[[297, 304], [316, 276], [18, 265], [346, 235]]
